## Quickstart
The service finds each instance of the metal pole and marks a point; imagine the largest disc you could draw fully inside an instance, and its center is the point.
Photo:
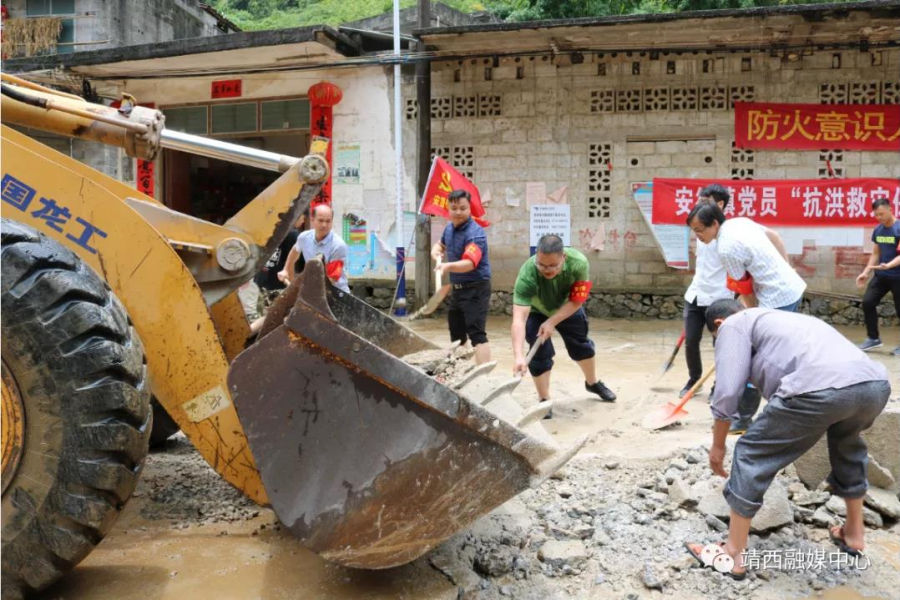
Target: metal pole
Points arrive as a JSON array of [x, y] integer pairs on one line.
[[424, 274], [400, 304], [242, 155]]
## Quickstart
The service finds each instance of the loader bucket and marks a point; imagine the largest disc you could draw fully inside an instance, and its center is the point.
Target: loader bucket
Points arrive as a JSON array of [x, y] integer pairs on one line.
[[368, 460]]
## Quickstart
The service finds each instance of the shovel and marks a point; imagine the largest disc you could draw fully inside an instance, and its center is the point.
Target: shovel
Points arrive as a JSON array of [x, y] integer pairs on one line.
[[668, 364], [508, 386], [531, 352], [669, 413], [440, 292]]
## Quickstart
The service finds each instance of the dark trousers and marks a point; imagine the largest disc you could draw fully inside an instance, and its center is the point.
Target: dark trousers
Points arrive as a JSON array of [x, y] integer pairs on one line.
[[878, 289], [694, 323], [467, 313], [574, 332]]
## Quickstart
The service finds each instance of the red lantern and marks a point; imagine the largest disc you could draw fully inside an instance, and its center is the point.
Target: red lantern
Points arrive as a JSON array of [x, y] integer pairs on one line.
[[324, 94], [322, 97]]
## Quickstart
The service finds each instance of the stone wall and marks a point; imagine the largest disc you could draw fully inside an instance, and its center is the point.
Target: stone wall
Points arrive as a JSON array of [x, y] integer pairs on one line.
[[602, 121], [636, 306]]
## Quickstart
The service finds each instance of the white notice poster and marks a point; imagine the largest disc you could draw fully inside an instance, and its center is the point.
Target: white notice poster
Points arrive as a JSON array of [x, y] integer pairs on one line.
[[672, 240], [550, 218]]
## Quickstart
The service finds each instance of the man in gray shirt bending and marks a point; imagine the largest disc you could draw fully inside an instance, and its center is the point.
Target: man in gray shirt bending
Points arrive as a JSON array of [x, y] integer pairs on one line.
[[816, 382]]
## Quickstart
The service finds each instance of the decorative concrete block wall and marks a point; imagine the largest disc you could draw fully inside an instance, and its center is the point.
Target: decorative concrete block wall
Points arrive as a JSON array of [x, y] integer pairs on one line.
[[600, 122]]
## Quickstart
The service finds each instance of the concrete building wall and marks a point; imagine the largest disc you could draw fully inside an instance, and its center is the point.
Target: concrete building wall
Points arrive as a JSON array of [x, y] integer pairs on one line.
[[441, 16], [613, 119], [103, 24], [566, 125], [363, 118], [149, 21]]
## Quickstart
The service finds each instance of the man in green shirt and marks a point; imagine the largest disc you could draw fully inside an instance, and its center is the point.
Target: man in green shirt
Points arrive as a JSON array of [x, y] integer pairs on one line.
[[550, 290]]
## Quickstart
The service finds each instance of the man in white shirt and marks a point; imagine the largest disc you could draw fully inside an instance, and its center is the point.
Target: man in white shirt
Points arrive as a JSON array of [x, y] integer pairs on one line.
[[756, 267], [320, 240], [707, 286], [753, 256]]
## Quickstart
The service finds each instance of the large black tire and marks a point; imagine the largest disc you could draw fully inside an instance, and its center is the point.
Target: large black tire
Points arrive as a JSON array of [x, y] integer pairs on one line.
[[164, 426], [80, 371]]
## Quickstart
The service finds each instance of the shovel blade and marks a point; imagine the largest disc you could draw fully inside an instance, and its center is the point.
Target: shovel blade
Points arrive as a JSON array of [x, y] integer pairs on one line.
[[663, 417], [436, 300], [432, 303]]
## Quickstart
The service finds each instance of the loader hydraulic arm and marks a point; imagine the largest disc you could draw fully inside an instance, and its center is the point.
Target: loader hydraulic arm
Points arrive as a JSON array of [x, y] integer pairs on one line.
[[134, 128], [175, 274], [220, 257], [138, 130]]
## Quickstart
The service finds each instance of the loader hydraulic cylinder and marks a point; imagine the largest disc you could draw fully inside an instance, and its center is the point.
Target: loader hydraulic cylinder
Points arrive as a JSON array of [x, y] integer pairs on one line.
[[253, 157]]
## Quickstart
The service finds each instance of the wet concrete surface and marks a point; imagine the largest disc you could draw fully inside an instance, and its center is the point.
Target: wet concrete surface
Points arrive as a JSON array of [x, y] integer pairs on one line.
[[153, 554]]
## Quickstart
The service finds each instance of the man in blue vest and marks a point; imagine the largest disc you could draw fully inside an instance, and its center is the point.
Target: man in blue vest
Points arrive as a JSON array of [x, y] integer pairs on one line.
[[465, 244]]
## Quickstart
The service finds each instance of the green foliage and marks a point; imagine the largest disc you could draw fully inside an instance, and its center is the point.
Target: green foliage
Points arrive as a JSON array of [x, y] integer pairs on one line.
[[276, 14], [253, 15]]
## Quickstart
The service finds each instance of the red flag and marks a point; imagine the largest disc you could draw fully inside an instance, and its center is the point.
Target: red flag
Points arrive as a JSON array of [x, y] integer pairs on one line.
[[443, 180]]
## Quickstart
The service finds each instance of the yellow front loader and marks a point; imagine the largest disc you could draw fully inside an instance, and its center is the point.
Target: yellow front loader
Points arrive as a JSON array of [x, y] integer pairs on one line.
[[109, 296]]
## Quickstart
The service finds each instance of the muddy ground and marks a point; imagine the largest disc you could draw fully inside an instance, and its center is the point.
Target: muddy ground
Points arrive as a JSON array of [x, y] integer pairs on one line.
[[608, 528]]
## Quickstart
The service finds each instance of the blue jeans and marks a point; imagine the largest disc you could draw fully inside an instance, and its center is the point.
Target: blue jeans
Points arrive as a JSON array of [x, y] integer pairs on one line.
[[749, 402]]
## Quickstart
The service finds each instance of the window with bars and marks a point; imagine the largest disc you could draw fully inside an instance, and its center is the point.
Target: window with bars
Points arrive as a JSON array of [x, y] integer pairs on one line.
[[234, 118], [188, 119], [831, 164], [238, 118], [278, 115], [600, 181], [56, 8], [742, 163]]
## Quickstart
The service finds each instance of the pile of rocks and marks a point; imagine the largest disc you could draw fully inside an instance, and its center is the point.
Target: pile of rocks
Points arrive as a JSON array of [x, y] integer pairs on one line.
[[611, 530], [447, 366], [179, 486]]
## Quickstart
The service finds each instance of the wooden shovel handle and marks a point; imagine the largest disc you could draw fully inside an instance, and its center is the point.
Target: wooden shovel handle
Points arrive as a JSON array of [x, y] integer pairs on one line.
[[534, 348], [437, 279], [531, 352], [690, 394]]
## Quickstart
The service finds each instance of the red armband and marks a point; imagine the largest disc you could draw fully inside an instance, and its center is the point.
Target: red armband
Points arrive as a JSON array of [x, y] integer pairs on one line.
[[580, 292], [473, 253], [743, 286], [334, 269]]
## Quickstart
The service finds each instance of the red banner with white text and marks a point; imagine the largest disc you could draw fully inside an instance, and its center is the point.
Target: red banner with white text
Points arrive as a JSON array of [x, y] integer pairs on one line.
[[768, 126], [781, 202]]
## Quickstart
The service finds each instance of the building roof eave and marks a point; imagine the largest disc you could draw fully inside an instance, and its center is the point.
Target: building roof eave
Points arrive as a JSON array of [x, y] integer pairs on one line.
[[331, 40], [806, 10]]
